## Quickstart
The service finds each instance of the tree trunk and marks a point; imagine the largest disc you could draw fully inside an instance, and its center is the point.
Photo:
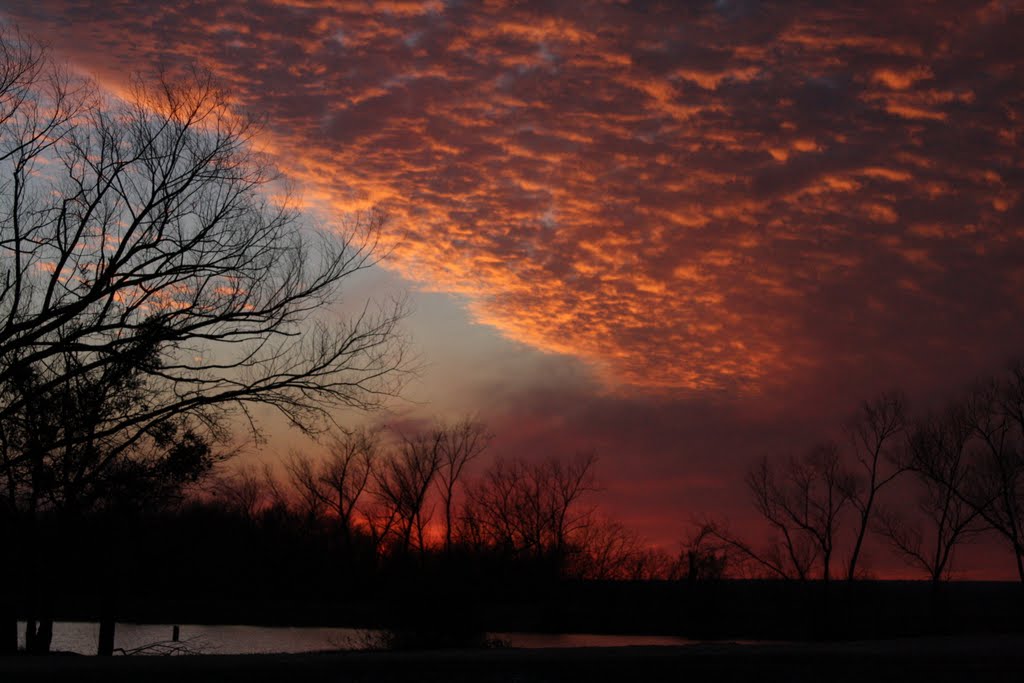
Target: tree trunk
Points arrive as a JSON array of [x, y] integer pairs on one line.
[[40, 625], [8, 631], [44, 636], [106, 642], [105, 646], [30, 632], [8, 601], [851, 573], [448, 529]]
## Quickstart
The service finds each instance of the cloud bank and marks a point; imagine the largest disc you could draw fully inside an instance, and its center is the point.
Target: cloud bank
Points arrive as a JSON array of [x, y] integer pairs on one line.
[[716, 196]]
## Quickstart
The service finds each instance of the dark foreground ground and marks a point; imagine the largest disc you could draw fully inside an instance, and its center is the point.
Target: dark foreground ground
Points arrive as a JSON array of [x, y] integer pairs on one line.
[[702, 610], [972, 658]]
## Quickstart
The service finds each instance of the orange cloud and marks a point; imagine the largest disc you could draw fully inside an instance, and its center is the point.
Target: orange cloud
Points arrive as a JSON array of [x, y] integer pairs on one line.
[[693, 200]]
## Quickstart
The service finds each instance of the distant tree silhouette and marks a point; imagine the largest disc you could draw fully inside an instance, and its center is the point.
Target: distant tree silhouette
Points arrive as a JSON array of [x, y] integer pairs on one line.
[[246, 492], [140, 242], [995, 487], [802, 500], [785, 555], [531, 509], [781, 505], [704, 555], [938, 454], [605, 550], [459, 444], [876, 434], [403, 483], [971, 461], [336, 483], [513, 511], [803, 503]]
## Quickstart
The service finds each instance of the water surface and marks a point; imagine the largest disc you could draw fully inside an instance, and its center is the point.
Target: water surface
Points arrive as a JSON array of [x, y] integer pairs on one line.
[[81, 637]]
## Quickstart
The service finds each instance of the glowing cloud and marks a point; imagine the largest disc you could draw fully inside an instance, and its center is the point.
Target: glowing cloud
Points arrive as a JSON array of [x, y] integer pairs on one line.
[[725, 196]]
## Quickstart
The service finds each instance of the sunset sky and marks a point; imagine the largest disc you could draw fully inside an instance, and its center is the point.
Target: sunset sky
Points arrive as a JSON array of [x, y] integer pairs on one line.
[[680, 234]]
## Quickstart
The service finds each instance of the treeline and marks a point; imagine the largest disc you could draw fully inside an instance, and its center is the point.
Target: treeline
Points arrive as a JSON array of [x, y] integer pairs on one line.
[[925, 485], [920, 486], [408, 520], [403, 517], [416, 500], [428, 535]]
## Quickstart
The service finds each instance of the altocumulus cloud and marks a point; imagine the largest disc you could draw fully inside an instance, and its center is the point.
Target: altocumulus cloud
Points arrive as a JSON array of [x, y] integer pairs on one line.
[[687, 196]]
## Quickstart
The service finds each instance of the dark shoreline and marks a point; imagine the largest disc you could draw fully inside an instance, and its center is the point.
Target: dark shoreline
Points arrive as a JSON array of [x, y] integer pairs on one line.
[[738, 609], [974, 658]]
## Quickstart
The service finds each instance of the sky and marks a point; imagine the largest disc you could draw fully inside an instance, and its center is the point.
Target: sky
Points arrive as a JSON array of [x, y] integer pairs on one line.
[[681, 235]]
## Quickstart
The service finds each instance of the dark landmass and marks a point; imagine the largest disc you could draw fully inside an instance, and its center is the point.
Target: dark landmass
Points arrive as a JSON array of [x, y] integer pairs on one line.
[[205, 566], [758, 610], [933, 660]]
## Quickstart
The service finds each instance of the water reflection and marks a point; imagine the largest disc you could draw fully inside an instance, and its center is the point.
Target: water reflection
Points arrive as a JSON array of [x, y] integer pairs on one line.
[[81, 637]]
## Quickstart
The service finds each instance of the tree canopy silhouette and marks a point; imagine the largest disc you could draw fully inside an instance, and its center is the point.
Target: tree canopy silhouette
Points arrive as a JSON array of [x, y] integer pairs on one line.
[[156, 283]]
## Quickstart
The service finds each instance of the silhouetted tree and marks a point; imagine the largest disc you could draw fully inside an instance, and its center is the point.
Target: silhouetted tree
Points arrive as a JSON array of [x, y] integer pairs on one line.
[[704, 556], [142, 228], [793, 554], [938, 455], [995, 487], [403, 484], [336, 483], [875, 434], [815, 497], [246, 491], [802, 503], [789, 555], [531, 510], [87, 472], [604, 550], [459, 444]]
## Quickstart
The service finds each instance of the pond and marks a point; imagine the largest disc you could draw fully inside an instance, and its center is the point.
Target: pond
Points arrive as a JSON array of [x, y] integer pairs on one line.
[[81, 637]]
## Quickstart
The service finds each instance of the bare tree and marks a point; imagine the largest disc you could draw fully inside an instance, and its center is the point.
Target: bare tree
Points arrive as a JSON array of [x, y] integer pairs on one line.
[[144, 228], [496, 512], [336, 483], [792, 555], [652, 563], [246, 491], [938, 455], [803, 504], [606, 550], [532, 509], [818, 494], [973, 463], [37, 103], [876, 437], [995, 413], [304, 476], [403, 483], [151, 228], [568, 482], [705, 555], [459, 445]]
